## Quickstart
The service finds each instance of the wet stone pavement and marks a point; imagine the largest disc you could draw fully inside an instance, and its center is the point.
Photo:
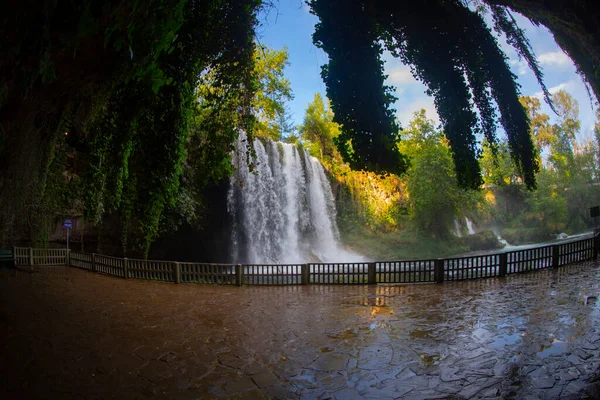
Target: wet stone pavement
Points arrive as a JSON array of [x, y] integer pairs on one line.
[[67, 333]]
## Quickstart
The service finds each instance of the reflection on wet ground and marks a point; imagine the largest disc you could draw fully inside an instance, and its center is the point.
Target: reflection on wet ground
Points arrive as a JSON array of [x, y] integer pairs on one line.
[[67, 333]]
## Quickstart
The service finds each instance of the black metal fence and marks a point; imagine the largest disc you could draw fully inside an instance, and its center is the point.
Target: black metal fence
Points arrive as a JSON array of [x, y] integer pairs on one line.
[[358, 273]]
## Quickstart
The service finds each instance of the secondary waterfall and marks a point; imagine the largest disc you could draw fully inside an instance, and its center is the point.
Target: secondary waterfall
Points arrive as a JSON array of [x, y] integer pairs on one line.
[[470, 229], [283, 211]]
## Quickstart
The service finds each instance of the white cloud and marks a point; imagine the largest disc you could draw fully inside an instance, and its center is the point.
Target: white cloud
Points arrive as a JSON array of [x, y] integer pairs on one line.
[[555, 58], [405, 113], [554, 89], [562, 86], [401, 76], [520, 65]]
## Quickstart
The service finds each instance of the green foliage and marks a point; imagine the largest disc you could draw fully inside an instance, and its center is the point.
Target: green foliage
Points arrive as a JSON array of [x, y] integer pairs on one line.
[[398, 245], [435, 199], [318, 130], [126, 74], [498, 167], [273, 91], [363, 198], [484, 240], [525, 235], [505, 23], [548, 204], [450, 49], [562, 148], [568, 183], [377, 203], [354, 81], [574, 26], [540, 123]]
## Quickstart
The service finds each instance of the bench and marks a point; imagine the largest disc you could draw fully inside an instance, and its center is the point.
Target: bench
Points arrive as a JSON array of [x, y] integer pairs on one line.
[[7, 256]]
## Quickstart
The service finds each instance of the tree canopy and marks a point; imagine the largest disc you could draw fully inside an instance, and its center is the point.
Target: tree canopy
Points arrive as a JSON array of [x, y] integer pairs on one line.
[[115, 81], [102, 103], [451, 49]]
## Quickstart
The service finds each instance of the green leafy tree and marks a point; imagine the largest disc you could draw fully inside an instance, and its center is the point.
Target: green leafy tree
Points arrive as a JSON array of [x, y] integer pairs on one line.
[[318, 130], [272, 93], [548, 204], [451, 49], [583, 191], [435, 199], [454, 52], [567, 183], [564, 145], [119, 78], [541, 129]]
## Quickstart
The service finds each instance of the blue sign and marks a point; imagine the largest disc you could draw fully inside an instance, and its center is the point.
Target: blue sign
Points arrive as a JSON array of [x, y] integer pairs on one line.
[[67, 223]]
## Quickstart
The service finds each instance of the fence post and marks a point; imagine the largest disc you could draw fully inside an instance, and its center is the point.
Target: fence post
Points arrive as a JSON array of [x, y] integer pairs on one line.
[[31, 256], [503, 267], [15, 260], [305, 274], [239, 275], [371, 275], [94, 262], [438, 270], [555, 256], [596, 245], [176, 272], [125, 268]]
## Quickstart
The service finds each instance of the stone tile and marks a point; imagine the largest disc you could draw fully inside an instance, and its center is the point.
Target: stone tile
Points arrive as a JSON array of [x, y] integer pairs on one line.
[[100, 334], [331, 362], [243, 384], [469, 391], [149, 352], [347, 394], [265, 379]]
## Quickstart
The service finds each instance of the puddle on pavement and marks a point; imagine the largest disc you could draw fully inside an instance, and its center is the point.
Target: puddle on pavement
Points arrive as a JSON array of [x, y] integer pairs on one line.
[[376, 325], [504, 340], [480, 333], [383, 310], [429, 359], [422, 333], [567, 320], [347, 334], [558, 347], [361, 332]]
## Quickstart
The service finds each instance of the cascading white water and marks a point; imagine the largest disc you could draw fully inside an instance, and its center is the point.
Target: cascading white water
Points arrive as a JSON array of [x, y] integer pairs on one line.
[[469, 224], [283, 211], [456, 230]]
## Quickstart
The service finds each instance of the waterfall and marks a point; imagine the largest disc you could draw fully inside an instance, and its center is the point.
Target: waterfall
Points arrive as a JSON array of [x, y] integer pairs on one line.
[[283, 211], [496, 231], [456, 230], [469, 224]]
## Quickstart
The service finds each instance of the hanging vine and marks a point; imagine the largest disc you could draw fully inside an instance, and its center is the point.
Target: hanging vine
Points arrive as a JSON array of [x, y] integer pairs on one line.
[[450, 49]]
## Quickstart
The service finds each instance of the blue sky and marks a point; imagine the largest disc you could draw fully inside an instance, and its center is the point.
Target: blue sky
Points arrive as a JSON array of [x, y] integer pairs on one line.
[[290, 24]]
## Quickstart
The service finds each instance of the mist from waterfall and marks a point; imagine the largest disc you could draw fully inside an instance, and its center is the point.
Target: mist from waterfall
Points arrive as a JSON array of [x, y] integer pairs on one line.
[[283, 211]]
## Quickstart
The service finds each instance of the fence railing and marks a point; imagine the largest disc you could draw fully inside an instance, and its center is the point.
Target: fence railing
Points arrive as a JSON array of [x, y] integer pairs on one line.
[[31, 256], [406, 271]]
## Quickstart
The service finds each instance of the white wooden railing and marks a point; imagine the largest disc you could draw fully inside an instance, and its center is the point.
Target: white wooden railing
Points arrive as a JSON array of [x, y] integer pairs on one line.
[[31, 256]]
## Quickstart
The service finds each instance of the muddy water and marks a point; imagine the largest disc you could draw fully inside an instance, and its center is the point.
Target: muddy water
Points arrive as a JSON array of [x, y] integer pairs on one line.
[[66, 333]]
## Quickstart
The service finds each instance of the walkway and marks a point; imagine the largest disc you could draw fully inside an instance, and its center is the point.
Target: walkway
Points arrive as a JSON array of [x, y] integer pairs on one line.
[[67, 333]]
